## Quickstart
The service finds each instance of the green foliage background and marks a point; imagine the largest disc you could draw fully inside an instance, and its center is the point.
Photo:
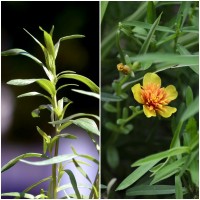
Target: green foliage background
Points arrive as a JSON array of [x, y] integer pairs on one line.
[[175, 35]]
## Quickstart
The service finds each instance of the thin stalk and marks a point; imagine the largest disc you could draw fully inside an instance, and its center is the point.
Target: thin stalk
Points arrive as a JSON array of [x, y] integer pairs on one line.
[[54, 166]]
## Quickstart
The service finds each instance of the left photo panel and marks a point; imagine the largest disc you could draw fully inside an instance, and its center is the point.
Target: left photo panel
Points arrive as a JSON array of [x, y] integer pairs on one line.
[[50, 138]]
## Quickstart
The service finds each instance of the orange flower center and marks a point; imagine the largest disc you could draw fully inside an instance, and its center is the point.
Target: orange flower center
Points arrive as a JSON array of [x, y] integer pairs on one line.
[[154, 97]]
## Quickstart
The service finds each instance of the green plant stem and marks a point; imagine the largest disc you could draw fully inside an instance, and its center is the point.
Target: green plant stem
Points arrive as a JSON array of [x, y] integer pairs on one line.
[[132, 116], [54, 166]]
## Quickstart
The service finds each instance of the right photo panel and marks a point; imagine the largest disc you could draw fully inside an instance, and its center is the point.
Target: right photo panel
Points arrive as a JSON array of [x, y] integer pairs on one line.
[[149, 99]]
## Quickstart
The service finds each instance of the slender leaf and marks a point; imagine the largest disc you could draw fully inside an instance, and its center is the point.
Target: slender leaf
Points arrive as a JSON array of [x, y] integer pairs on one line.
[[47, 85], [15, 160], [54, 160], [74, 183], [57, 45], [75, 116], [168, 170], [92, 94], [151, 190], [135, 175], [178, 187], [191, 110], [112, 156], [107, 97], [110, 185], [146, 43], [87, 124], [18, 195], [168, 58], [36, 184], [164, 154], [104, 5], [151, 12], [22, 82], [80, 169], [15, 52], [66, 85], [49, 43], [83, 79], [85, 156]]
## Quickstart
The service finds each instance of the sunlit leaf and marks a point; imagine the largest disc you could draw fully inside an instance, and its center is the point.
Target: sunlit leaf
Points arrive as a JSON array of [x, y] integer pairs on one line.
[[15, 160], [74, 183], [15, 52], [87, 124], [92, 94], [135, 175], [161, 155], [54, 160], [83, 79], [18, 195]]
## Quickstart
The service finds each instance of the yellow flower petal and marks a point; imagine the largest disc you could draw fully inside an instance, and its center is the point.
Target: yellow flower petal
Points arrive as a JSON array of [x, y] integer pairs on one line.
[[136, 89], [151, 79], [166, 111], [171, 92], [148, 112]]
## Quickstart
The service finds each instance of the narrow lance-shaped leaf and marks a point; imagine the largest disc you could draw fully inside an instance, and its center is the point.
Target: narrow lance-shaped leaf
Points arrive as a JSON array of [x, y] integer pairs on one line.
[[92, 94], [54, 160], [83, 79], [146, 44], [164, 154], [18, 195], [15, 160], [135, 175], [87, 124], [74, 183], [49, 43], [80, 169], [57, 45], [15, 52]]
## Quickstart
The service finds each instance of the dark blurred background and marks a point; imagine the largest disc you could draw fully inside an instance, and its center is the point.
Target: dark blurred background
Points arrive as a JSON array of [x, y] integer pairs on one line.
[[18, 130]]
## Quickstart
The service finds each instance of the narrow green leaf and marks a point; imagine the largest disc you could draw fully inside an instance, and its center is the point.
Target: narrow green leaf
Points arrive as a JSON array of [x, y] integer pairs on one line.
[[87, 124], [18, 195], [148, 40], [147, 26], [92, 94], [168, 170], [49, 43], [43, 48], [135, 175], [75, 116], [47, 85], [107, 97], [43, 134], [82, 79], [168, 58], [57, 45], [54, 160], [29, 94], [36, 112], [36, 184], [21, 82], [85, 156], [15, 160], [151, 190], [112, 156], [66, 85], [161, 155], [178, 187], [109, 107], [189, 95], [151, 12], [63, 135], [15, 52], [191, 110], [80, 169], [74, 183], [104, 5]]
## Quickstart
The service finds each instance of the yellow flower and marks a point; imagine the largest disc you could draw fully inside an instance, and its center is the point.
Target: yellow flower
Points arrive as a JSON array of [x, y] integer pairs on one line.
[[155, 99]]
